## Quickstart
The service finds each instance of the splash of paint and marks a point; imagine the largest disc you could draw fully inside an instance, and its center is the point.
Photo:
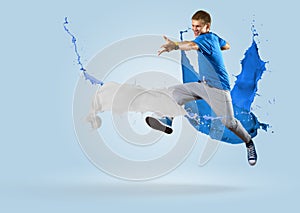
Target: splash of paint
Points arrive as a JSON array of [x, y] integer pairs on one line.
[[182, 32], [87, 76], [245, 88], [243, 93]]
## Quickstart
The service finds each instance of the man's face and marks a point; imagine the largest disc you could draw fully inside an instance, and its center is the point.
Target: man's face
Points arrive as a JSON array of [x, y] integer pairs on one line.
[[199, 27]]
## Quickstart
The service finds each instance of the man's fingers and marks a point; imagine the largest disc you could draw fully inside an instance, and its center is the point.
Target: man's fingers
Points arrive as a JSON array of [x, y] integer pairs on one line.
[[161, 51], [166, 38], [164, 46]]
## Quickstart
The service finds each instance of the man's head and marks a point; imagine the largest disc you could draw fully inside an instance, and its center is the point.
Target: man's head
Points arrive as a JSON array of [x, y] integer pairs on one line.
[[201, 22]]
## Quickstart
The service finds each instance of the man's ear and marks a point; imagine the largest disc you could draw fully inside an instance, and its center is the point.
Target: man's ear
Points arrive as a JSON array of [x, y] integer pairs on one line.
[[208, 26]]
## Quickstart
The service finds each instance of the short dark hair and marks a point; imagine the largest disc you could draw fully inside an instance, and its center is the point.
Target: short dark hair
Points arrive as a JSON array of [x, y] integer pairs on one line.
[[202, 15]]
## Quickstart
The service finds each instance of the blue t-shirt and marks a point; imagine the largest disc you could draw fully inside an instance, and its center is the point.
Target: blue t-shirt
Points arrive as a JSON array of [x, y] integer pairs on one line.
[[211, 64]]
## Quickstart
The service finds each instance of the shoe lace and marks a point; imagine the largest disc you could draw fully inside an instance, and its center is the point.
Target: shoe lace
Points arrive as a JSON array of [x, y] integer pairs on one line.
[[251, 151]]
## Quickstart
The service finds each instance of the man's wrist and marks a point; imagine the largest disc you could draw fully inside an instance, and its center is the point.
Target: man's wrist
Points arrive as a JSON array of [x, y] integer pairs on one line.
[[176, 46]]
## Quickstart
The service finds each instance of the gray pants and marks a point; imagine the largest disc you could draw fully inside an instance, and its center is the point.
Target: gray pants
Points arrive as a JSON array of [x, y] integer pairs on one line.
[[219, 101]]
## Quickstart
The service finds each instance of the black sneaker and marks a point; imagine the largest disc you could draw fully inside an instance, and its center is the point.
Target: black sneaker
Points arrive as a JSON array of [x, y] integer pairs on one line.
[[252, 155], [159, 124]]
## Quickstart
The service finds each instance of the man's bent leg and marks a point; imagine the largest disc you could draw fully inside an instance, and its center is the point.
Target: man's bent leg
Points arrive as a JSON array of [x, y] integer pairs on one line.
[[181, 94], [222, 106]]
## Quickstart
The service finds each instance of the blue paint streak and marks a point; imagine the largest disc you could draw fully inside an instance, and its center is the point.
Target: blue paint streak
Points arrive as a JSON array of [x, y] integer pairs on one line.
[[87, 76], [245, 88], [92, 79], [201, 116], [183, 31]]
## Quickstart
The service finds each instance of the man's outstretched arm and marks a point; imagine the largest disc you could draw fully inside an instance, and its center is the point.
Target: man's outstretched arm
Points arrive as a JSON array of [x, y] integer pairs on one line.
[[171, 45]]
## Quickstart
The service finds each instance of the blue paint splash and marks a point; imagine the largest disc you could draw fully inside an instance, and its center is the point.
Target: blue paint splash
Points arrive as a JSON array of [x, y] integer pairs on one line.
[[245, 88], [243, 93], [87, 76]]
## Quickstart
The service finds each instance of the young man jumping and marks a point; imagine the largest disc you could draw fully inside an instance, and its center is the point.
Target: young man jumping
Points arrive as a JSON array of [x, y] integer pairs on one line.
[[214, 85]]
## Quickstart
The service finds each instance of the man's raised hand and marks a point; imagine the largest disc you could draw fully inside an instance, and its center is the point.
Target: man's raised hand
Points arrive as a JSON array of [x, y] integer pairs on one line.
[[168, 46]]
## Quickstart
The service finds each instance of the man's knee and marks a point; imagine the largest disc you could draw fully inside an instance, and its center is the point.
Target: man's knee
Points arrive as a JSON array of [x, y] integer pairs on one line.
[[230, 123], [177, 96]]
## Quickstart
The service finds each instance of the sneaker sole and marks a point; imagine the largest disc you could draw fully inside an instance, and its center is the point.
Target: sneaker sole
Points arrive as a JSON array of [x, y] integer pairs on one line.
[[252, 162], [155, 124]]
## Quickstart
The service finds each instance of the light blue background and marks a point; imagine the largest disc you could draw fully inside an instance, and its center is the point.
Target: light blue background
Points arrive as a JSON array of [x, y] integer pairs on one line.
[[42, 166]]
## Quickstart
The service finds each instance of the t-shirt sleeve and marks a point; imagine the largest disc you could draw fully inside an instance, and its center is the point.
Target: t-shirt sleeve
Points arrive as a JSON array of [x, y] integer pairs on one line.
[[222, 42], [203, 45], [197, 41]]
